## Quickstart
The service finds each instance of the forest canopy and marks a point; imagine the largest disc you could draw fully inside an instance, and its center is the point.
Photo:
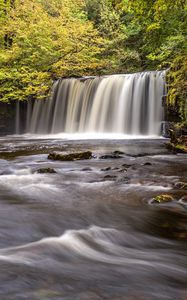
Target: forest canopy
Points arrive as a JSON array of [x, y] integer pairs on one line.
[[41, 40]]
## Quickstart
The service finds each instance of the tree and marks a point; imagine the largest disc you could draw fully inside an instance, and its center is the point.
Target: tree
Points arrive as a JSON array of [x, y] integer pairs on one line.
[[49, 40], [108, 18]]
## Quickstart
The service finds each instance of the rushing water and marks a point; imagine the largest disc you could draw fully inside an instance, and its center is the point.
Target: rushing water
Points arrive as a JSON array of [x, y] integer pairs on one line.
[[121, 104], [90, 231]]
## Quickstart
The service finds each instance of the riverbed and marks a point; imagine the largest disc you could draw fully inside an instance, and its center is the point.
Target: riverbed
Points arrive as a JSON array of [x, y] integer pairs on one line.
[[91, 230]]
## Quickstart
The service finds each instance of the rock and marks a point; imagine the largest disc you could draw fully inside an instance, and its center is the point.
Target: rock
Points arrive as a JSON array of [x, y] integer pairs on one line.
[[178, 138], [181, 185], [162, 198], [126, 166], [110, 177], [86, 169], [70, 156], [183, 200], [176, 148], [147, 164], [106, 169], [108, 156], [118, 152], [122, 170], [46, 170], [124, 179], [172, 135]]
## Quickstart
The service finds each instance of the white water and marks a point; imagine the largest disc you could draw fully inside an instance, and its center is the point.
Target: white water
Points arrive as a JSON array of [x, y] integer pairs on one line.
[[122, 105]]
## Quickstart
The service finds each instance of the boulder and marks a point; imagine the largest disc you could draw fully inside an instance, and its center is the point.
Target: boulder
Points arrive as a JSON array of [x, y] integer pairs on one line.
[[70, 156]]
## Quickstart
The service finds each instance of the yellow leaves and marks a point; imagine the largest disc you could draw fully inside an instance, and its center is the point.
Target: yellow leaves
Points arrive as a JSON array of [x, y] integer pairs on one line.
[[50, 38]]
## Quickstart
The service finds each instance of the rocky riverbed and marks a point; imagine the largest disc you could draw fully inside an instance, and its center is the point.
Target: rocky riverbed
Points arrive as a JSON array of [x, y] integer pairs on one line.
[[113, 226]]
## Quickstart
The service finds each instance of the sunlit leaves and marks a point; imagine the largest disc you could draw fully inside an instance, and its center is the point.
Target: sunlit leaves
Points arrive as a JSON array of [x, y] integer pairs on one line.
[[49, 39]]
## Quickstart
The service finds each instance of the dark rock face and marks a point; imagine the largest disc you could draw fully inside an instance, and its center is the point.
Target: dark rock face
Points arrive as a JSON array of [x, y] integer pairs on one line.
[[7, 118], [70, 156]]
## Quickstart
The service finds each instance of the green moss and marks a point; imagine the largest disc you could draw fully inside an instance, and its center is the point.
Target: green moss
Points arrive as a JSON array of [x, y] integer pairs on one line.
[[180, 148]]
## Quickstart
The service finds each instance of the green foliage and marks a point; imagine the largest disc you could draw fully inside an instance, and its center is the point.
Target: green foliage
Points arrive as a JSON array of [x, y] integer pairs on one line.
[[177, 84], [48, 40]]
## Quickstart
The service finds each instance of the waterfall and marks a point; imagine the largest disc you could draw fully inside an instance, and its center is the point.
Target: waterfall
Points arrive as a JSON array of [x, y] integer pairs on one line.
[[128, 104]]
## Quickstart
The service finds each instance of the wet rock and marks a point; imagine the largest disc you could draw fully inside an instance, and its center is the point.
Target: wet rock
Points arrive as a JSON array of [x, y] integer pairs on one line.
[[70, 156], [110, 177], [177, 148], [46, 171], [124, 179], [109, 156], [181, 185], [122, 170], [163, 198], [147, 164], [117, 152], [106, 169], [183, 200], [126, 166], [86, 169], [168, 224], [178, 139]]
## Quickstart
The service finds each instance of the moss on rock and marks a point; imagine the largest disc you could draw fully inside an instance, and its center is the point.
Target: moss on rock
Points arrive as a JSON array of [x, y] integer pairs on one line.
[[70, 156], [163, 198]]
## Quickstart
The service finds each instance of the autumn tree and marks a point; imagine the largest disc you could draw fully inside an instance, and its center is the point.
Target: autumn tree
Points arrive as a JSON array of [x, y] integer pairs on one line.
[[49, 40]]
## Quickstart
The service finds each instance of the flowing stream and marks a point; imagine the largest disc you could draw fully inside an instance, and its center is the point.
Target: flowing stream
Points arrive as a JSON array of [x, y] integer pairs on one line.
[[90, 231]]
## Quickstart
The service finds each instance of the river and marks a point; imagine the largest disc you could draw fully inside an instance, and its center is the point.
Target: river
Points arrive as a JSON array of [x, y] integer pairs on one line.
[[91, 231]]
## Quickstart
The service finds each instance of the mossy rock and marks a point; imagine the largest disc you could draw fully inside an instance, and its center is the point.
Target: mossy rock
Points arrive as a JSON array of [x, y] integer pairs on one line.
[[46, 171], [177, 148], [180, 148], [70, 156], [163, 198]]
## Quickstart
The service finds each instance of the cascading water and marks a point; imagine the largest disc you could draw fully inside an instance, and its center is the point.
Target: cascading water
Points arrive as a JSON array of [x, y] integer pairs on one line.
[[122, 104]]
